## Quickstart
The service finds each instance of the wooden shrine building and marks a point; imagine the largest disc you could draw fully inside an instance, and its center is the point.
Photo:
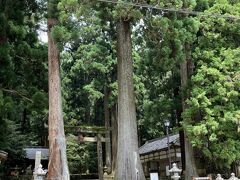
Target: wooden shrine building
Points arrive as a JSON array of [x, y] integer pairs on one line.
[[154, 154]]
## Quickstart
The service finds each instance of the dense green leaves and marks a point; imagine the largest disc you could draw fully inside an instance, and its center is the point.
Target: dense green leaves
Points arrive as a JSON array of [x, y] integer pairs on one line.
[[23, 78], [88, 61], [81, 157], [212, 119]]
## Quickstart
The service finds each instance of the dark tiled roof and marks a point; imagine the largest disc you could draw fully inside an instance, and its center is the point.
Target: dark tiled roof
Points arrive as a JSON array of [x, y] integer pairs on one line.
[[159, 144], [31, 152]]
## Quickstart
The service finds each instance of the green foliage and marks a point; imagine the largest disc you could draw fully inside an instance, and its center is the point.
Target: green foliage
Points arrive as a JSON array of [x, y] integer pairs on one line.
[[212, 117], [162, 38], [23, 78], [123, 11], [11, 139], [88, 61], [52, 8], [82, 157], [60, 35], [214, 97]]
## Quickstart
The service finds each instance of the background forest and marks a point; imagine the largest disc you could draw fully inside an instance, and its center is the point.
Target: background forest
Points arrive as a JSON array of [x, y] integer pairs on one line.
[[186, 69]]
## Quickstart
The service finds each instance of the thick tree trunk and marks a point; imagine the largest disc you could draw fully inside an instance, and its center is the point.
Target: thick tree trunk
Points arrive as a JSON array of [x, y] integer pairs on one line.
[[191, 169], [107, 134], [57, 167], [181, 132], [190, 164], [128, 161]]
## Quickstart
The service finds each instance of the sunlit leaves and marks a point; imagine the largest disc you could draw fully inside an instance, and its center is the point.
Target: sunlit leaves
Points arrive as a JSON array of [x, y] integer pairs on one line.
[[214, 101]]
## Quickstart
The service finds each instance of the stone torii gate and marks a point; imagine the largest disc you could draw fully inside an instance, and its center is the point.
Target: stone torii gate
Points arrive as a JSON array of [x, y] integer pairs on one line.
[[98, 138]]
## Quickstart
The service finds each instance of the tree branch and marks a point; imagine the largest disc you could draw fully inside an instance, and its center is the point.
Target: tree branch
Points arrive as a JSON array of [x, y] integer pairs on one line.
[[18, 93]]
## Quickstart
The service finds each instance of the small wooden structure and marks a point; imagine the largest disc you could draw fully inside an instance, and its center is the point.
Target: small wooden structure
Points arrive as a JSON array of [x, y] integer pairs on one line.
[[154, 155], [3, 156]]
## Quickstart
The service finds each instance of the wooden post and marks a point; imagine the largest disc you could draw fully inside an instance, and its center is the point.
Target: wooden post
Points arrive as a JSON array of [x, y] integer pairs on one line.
[[114, 136], [107, 134], [100, 158]]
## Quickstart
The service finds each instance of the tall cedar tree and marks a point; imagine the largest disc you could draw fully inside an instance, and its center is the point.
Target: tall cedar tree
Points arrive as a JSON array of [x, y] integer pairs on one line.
[[185, 74], [128, 161], [57, 167], [190, 163]]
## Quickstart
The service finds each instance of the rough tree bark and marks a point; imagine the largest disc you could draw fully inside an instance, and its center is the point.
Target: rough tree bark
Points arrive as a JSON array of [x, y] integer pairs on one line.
[[128, 161], [181, 132], [186, 71], [57, 167]]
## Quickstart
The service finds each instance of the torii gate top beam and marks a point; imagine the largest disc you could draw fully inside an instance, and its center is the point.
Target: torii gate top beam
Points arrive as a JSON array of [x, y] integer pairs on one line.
[[87, 129]]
